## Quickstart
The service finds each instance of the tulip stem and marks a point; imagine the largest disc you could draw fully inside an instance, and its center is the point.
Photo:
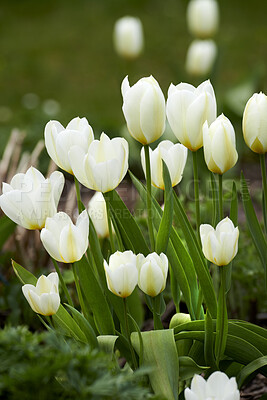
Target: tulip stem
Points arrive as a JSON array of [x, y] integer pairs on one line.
[[196, 188], [78, 288], [111, 239], [149, 198], [221, 196], [78, 194], [222, 320], [264, 182], [156, 315], [125, 307], [63, 284]]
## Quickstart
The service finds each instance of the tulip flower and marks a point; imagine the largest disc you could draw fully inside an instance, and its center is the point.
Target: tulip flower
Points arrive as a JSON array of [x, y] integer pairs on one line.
[[30, 198], [44, 297], [187, 110], [219, 245], [63, 240], [174, 155], [200, 57], [152, 273], [103, 166], [121, 273], [219, 145], [97, 210], [59, 140], [144, 109], [128, 37], [203, 17], [218, 386], [255, 123]]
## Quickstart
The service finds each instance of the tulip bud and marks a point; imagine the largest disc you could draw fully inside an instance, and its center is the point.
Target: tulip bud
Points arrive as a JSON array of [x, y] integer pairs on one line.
[[59, 140], [30, 198], [200, 58], [187, 110], [63, 240], [203, 17], [218, 386], [121, 273], [152, 273], [174, 155], [128, 37], [44, 297], [219, 245], [255, 123], [103, 166], [144, 109], [179, 319], [97, 210], [219, 145]]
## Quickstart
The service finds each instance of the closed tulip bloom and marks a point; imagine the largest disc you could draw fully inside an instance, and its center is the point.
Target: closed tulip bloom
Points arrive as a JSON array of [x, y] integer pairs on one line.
[[103, 166], [203, 17], [187, 110], [152, 273], [59, 140], [63, 240], [218, 386], [44, 297], [121, 273], [174, 155], [219, 145], [200, 57], [219, 245], [144, 109], [255, 123], [128, 37], [97, 210], [30, 198]]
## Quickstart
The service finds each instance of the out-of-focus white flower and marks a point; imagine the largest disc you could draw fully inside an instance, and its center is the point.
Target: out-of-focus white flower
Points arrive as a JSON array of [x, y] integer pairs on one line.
[[44, 297], [30, 100], [203, 17], [30, 198], [63, 240], [200, 58], [144, 109], [51, 107], [152, 273], [59, 140], [219, 145], [128, 37], [218, 386], [187, 110], [219, 245], [97, 210], [255, 123], [103, 166], [174, 155], [121, 273]]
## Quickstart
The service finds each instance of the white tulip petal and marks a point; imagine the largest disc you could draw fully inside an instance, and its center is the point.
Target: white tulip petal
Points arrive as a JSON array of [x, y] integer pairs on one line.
[[77, 158], [49, 303], [125, 86], [71, 244], [198, 386], [50, 241], [190, 395]]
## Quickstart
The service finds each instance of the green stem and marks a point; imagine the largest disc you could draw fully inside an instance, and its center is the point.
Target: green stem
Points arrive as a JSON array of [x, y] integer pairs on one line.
[[222, 323], [111, 238], [156, 315], [264, 179], [196, 188], [149, 199], [78, 194], [79, 292], [64, 287], [220, 197], [128, 333]]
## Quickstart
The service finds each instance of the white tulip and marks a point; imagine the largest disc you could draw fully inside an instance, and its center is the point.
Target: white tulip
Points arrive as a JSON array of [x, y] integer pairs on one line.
[[187, 110], [97, 209], [59, 140], [121, 273], [144, 109], [63, 240], [174, 155], [152, 273], [30, 198], [203, 17], [128, 37], [200, 57], [218, 386], [255, 123], [44, 297], [103, 166], [219, 245], [219, 145]]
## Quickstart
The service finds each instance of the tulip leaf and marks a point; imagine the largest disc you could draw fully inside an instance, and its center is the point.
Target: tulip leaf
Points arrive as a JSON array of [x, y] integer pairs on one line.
[[188, 368], [234, 206], [160, 354], [215, 199], [96, 252], [165, 226], [7, 227], [23, 275], [208, 341], [222, 320], [107, 343], [249, 370]]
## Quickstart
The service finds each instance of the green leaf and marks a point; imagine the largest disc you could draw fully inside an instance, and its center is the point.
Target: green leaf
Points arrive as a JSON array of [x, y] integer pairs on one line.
[[222, 320], [165, 226], [107, 343], [23, 275], [215, 199], [96, 252], [161, 354], [208, 341], [7, 227], [249, 369], [234, 206], [188, 368]]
